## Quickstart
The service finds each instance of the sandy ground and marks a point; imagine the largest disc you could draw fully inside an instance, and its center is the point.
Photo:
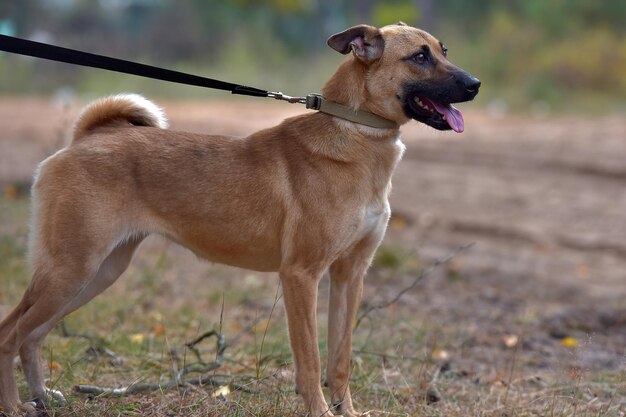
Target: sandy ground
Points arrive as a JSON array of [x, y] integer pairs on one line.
[[544, 200]]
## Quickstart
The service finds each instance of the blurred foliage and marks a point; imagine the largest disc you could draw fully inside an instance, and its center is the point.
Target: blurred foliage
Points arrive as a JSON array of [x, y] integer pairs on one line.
[[548, 50], [567, 54], [387, 12]]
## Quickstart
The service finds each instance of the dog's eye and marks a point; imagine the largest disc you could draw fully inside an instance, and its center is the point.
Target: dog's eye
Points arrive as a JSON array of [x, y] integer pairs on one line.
[[445, 51], [419, 57]]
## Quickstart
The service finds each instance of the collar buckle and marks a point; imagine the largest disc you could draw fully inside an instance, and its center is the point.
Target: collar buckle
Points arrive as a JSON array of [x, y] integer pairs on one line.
[[314, 101]]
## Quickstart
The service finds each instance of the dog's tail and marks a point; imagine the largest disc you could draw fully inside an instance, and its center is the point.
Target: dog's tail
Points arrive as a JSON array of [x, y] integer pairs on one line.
[[126, 108]]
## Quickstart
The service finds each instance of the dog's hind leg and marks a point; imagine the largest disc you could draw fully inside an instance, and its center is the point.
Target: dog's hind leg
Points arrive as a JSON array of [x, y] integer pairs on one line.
[[49, 292], [9, 398], [55, 291], [108, 272]]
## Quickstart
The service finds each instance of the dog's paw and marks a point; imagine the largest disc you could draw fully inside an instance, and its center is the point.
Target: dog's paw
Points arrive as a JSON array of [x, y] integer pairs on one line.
[[49, 399], [351, 412], [28, 409], [53, 398]]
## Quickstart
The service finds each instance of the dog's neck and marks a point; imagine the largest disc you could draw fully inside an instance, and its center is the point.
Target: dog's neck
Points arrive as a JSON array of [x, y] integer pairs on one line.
[[347, 87]]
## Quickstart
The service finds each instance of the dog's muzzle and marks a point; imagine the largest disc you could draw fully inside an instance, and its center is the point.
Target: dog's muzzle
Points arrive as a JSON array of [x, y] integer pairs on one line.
[[430, 102]]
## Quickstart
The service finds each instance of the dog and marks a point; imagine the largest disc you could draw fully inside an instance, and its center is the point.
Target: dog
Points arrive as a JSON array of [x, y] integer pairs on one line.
[[302, 198]]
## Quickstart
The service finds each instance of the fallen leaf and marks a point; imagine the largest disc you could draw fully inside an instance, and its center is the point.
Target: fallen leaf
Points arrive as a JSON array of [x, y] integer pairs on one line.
[[137, 338], [500, 383], [569, 342], [222, 391], [54, 366], [440, 354], [510, 340], [159, 329]]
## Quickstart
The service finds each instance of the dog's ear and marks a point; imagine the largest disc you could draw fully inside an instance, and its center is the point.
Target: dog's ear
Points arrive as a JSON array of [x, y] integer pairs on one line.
[[364, 41]]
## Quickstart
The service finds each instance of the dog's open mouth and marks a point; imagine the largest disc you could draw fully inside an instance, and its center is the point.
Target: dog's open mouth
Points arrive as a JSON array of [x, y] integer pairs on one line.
[[442, 116]]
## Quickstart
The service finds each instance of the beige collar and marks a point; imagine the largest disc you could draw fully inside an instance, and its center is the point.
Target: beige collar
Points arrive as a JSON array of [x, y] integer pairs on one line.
[[318, 102]]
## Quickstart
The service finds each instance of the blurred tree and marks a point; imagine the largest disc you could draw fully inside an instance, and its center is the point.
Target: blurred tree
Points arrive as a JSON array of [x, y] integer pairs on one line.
[[172, 33], [363, 10], [427, 14], [543, 47], [23, 13]]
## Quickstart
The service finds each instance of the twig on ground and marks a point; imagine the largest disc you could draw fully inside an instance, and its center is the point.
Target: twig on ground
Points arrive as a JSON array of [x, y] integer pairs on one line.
[[420, 277], [140, 387], [196, 367], [394, 357], [221, 346], [94, 340], [97, 345], [267, 326]]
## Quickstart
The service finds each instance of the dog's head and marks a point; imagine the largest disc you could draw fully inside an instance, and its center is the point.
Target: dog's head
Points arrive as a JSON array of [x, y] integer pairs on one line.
[[406, 74]]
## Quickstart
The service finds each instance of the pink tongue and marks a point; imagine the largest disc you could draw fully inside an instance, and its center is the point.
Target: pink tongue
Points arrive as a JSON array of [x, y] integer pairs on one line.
[[453, 115]]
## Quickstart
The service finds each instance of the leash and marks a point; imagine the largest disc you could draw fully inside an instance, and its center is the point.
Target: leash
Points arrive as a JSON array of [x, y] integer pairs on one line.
[[72, 56]]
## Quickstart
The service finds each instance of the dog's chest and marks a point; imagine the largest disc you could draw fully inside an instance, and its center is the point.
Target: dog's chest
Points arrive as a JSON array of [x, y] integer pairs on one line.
[[374, 214], [370, 220]]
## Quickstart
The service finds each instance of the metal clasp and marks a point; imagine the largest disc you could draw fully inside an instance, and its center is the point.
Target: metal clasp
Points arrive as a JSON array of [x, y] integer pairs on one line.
[[284, 97]]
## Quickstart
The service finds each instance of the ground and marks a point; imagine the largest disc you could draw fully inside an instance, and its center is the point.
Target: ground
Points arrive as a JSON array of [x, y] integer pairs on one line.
[[528, 320]]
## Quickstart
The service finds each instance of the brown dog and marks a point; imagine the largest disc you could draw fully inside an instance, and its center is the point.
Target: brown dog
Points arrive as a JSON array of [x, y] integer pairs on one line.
[[301, 198]]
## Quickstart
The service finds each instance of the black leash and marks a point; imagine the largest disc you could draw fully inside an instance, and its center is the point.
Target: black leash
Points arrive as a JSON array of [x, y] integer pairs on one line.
[[86, 59]]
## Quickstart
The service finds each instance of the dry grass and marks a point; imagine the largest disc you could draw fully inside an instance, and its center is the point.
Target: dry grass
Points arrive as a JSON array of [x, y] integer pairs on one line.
[[421, 356]]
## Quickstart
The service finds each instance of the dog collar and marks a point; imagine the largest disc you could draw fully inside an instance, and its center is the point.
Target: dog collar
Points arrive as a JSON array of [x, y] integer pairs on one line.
[[319, 103]]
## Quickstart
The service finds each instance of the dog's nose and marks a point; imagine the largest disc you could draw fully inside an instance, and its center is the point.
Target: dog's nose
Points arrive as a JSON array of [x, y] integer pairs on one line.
[[472, 84]]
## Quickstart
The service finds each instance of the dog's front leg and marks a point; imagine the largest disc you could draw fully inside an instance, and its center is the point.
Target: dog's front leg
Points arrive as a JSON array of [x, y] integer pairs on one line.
[[300, 293], [346, 287]]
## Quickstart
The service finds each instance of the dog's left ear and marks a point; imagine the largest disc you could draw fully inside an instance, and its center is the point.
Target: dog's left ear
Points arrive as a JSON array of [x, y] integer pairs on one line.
[[364, 41]]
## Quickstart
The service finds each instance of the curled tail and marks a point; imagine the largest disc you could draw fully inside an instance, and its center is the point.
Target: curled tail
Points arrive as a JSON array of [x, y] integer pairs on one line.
[[129, 108]]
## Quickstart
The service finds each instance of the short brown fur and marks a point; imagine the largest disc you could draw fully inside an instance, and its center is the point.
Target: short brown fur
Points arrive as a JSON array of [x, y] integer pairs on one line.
[[301, 198]]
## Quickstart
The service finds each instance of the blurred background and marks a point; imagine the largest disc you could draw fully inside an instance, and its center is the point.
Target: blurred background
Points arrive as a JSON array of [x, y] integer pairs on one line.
[[531, 320], [534, 55]]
